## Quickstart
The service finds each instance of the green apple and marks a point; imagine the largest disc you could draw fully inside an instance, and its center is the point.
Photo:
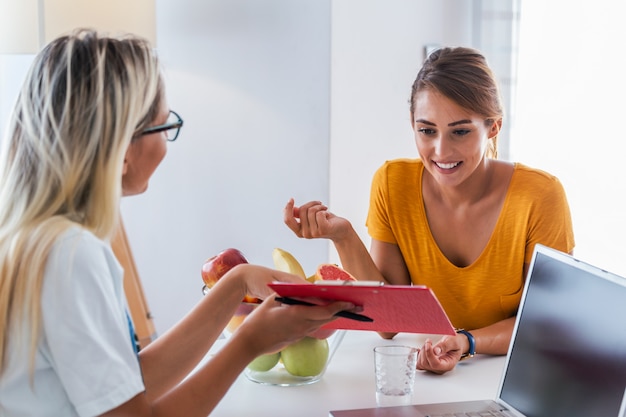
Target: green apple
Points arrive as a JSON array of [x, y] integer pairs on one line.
[[307, 357], [264, 363]]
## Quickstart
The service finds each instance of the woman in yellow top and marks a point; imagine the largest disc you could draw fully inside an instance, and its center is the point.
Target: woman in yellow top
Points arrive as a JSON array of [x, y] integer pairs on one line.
[[457, 219]]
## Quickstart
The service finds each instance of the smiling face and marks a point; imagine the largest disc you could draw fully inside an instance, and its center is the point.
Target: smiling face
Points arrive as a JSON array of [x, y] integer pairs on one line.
[[451, 141]]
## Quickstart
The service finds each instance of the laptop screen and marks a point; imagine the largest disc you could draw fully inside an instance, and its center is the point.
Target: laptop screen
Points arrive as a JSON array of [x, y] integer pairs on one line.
[[569, 354]]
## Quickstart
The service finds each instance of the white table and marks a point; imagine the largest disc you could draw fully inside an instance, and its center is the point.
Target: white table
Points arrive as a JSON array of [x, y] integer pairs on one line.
[[349, 383]]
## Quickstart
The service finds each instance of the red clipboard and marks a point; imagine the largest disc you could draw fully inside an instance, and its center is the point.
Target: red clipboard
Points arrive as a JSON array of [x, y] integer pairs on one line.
[[393, 308]]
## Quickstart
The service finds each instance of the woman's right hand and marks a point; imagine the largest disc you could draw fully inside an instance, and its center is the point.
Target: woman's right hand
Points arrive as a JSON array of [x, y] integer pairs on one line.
[[313, 220], [272, 325]]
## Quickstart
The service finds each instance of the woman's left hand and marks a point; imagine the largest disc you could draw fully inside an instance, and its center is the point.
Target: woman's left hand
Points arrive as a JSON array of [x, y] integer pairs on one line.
[[442, 356]]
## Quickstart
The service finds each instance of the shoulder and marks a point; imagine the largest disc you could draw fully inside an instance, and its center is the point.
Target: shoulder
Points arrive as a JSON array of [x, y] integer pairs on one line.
[[78, 252], [532, 180], [401, 166], [398, 174], [402, 163], [77, 242], [81, 273], [537, 190], [77, 236], [533, 174]]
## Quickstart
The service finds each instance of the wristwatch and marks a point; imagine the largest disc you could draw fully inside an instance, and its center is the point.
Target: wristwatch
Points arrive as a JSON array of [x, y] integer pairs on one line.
[[472, 344]]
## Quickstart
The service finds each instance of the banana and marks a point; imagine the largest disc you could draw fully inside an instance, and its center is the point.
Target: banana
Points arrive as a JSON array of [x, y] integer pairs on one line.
[[286, 262]]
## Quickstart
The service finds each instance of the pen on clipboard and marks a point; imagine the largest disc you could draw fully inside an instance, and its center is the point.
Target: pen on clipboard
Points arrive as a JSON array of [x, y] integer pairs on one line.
[[344, 314]]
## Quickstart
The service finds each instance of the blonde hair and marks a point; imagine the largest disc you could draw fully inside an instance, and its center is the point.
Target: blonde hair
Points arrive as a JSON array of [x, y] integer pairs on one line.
[[86, 96]]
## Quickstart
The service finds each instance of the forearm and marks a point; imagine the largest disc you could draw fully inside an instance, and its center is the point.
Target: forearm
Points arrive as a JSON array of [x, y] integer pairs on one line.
[[355, 258], [169, 359], [494, 339], [199, 394]]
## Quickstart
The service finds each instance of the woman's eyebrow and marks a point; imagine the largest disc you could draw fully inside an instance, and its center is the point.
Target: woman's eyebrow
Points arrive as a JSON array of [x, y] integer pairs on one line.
[[460, 122]]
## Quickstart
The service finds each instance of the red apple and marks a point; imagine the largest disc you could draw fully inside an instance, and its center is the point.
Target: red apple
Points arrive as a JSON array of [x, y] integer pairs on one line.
[[216, 266]]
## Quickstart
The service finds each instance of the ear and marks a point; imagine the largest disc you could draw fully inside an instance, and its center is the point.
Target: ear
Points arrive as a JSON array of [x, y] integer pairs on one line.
[[495, 128], [127, 158]]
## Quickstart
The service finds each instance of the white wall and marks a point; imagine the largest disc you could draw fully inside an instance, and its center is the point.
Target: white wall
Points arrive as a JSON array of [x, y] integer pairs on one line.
[[251, 81], [570, 116], [377, 50], [13, 70]]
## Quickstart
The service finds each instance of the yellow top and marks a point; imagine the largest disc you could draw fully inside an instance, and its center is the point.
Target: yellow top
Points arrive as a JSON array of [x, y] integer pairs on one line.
[[535, 210]]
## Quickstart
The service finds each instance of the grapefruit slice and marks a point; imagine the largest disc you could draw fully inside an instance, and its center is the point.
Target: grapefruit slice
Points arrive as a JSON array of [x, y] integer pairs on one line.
[[332, 272], [328, 272]]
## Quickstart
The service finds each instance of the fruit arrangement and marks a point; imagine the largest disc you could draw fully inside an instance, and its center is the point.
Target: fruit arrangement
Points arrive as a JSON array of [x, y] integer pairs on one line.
[[216, 266], [304, 360]]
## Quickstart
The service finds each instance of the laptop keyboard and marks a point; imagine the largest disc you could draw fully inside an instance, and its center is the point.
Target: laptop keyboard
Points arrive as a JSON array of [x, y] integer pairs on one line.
[[473, 414]]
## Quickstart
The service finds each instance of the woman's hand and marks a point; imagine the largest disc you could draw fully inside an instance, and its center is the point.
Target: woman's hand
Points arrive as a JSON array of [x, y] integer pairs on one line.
[[254, 279], [272, 325], [313, 220], [443, 355]]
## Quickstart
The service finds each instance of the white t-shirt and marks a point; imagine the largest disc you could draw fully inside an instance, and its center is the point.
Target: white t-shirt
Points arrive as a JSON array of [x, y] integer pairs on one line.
[[85, 362]]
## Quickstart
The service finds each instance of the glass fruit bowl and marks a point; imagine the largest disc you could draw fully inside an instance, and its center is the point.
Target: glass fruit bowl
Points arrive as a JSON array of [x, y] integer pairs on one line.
[[300, 363]]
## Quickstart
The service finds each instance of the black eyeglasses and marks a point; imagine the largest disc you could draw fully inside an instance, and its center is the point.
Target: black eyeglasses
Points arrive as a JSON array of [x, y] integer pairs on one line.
[[172, 126]]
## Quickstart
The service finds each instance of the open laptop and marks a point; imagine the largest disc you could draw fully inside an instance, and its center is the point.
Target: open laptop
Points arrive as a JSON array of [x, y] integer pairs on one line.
[[567, 356]]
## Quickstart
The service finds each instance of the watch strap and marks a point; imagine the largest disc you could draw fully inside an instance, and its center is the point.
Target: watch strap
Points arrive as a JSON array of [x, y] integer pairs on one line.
[[472, 344]]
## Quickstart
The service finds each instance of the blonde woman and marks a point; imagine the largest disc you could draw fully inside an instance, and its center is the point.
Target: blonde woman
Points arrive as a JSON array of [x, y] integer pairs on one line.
[[90, 125]]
